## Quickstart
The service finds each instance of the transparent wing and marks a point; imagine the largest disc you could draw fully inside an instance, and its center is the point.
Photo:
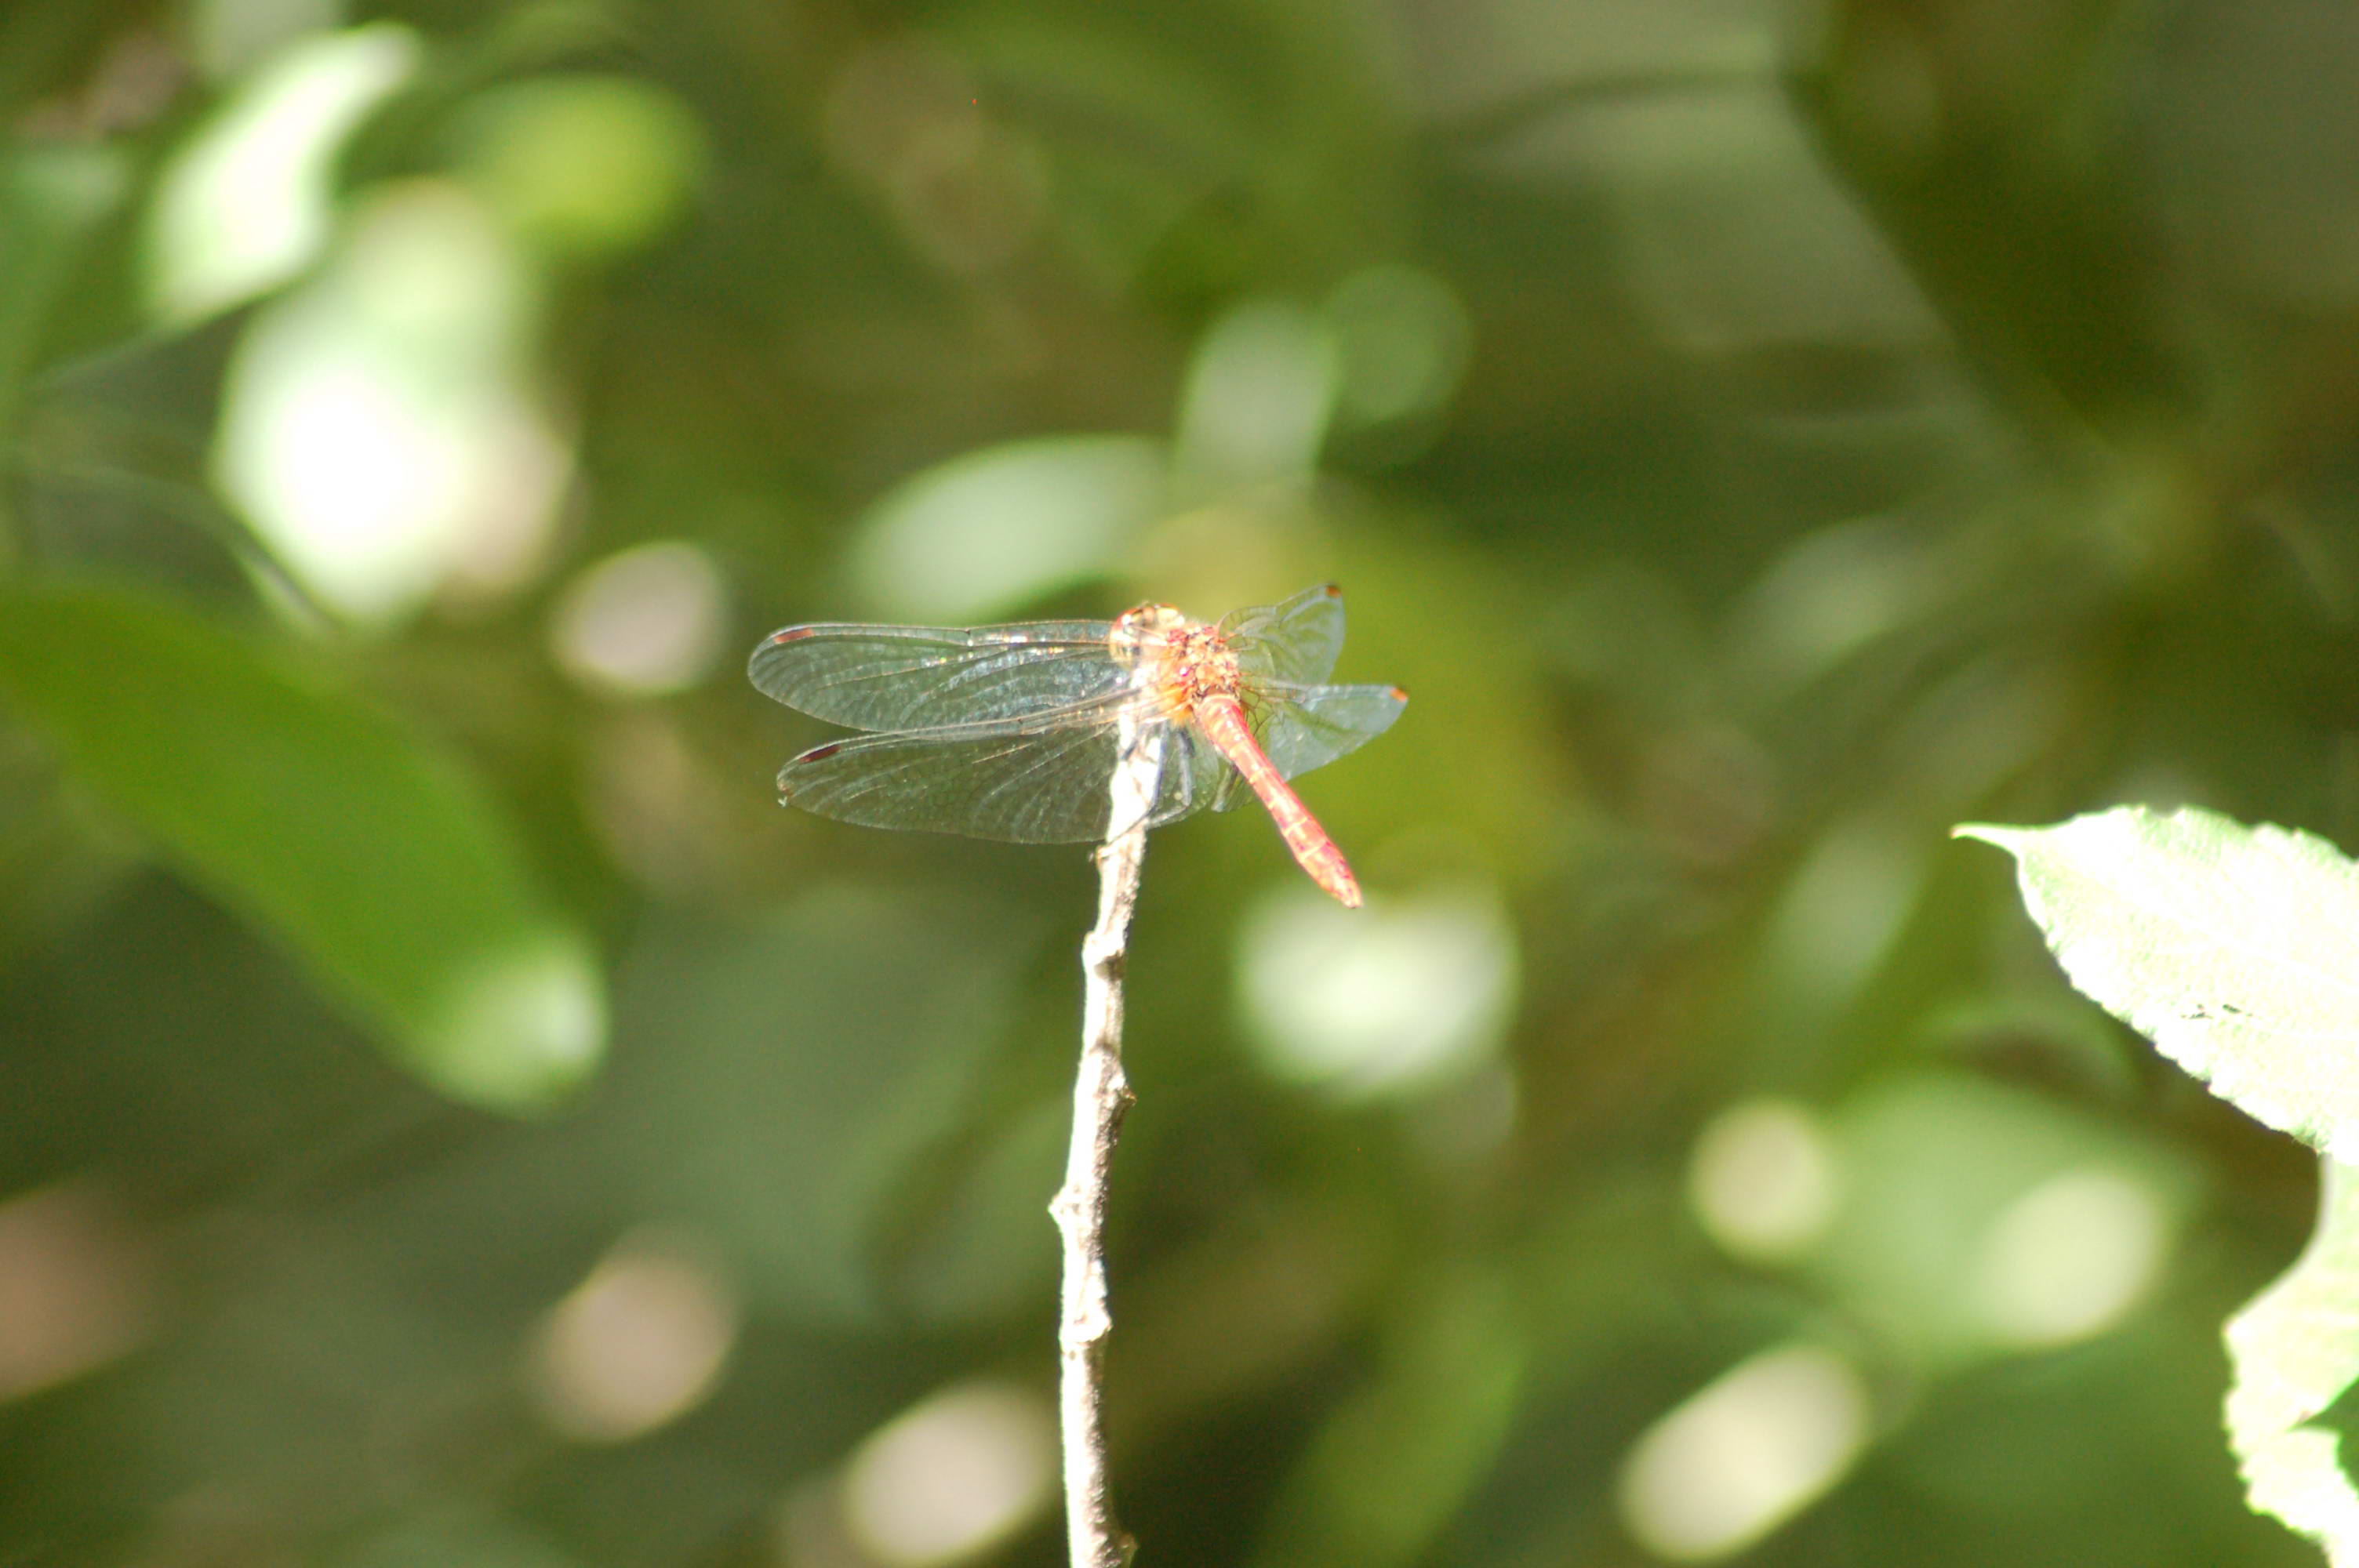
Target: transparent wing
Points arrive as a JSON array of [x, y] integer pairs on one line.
[[1296, 641], [1304, 728], [916, 677], [1195, 775], [1045, 780], [1230, 788]]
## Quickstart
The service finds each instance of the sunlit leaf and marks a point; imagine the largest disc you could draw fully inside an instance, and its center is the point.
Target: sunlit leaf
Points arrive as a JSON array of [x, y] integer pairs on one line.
[[2295, 1351], [371, 855], [2234, 949]]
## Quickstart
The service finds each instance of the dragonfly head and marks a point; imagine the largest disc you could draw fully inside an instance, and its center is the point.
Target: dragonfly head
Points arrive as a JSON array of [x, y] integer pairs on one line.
[[1144, 629]]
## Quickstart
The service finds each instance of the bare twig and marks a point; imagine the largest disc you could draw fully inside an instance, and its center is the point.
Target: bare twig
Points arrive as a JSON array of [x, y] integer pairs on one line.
[[1101, 1096]]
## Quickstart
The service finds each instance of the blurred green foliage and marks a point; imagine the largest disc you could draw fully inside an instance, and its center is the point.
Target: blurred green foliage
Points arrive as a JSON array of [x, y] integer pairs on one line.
[[1758, 435]]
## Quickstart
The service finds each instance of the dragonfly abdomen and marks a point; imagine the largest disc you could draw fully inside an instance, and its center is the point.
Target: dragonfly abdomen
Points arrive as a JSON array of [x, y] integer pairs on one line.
[[1222, 720]]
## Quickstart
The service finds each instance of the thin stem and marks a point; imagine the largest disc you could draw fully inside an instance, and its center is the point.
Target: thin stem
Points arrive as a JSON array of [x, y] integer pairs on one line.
[[1101, 1098]]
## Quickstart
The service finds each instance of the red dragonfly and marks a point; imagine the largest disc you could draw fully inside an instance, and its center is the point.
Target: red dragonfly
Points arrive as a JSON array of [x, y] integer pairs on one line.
[[1014, 732]]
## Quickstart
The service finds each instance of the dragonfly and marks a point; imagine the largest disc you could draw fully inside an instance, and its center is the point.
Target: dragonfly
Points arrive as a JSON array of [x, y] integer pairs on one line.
[[1014, 732]]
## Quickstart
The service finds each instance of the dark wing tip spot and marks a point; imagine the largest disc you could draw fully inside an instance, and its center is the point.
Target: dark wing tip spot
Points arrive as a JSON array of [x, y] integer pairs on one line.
[[1399, 696], [1333, 591], [790, 780], [791, 634]]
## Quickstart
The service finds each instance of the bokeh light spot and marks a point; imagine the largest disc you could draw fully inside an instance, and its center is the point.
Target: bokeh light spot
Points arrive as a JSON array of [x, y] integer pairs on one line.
[[1387, 998], [75, 1288], [643, 622], [966, 539], [639, 1343], [1764, 1180], [1745, 1454], [528, 1025], [2068, 1257], [585, 165], [953, 1477], [379, 429], [1257, 399]]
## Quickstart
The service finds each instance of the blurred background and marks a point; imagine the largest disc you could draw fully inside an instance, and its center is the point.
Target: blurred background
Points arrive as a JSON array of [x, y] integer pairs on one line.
[[450, 1114]]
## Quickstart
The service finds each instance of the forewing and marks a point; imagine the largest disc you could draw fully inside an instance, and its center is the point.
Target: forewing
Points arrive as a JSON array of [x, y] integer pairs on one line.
[[1045, 780], [1308, 727], [916, 677], [1296, 640]]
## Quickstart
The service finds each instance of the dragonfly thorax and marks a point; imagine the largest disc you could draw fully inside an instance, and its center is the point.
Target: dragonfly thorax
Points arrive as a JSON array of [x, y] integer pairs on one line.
[[1183, 661]]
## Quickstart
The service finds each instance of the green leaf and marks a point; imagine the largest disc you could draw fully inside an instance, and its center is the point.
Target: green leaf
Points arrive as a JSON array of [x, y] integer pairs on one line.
[[2234, 949], [2294, 1351], [328, 823]]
